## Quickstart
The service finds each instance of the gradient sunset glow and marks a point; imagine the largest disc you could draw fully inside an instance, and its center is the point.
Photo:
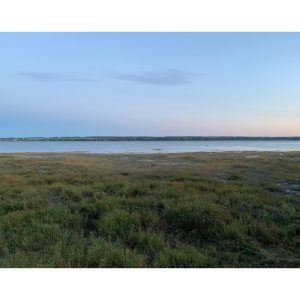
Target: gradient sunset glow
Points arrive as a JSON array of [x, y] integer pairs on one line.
[[157, 84]]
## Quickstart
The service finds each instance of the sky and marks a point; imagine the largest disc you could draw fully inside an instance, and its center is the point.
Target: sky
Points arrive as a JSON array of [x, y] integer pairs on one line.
[[149, 84]]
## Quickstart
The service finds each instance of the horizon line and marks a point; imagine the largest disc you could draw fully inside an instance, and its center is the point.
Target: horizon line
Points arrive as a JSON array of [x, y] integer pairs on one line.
[[149, 136]]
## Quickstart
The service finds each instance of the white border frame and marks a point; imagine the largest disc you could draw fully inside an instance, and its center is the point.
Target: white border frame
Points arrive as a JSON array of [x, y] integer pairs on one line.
[[149, 15]]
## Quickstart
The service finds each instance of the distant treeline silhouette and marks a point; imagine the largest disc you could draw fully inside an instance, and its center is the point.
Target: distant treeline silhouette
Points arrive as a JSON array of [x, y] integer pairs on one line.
[[151, 138]]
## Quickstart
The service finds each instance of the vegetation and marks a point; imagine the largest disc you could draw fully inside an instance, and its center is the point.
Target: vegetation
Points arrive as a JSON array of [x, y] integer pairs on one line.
[[175, 210]]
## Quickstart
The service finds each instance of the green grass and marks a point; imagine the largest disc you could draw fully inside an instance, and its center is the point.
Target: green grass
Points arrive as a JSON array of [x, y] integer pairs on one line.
[[176, 210]]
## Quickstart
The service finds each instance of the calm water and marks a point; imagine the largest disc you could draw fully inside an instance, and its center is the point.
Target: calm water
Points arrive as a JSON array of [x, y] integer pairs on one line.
[[149, 147]]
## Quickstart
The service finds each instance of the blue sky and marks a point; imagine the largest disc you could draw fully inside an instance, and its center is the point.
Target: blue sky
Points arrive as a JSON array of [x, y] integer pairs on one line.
[[76, 84]]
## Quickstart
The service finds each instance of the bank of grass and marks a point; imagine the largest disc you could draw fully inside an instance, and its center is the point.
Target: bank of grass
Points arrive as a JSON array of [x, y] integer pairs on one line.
[[175, 210]]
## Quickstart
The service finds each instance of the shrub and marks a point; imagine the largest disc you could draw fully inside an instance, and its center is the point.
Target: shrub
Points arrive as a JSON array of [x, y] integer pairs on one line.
[[184, 257], [70, 194], [147, 243], [118, 224], [202, 223], [7, 207], [108, 255]]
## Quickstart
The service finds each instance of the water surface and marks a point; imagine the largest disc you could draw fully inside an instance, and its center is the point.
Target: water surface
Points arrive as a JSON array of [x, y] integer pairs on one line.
[[148, 146]]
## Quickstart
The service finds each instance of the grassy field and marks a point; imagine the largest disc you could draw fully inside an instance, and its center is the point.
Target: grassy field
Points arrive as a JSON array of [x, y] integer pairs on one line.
[[175, 210]]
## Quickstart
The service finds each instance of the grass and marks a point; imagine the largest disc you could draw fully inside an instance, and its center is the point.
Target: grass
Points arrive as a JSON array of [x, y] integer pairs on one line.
[[175, 210]]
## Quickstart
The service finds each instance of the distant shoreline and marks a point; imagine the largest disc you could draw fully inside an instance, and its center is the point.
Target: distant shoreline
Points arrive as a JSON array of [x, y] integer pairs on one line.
[[147, 138]]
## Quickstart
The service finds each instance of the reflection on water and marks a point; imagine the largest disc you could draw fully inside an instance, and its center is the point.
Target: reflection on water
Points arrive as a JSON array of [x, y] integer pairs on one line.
[[149, 146]]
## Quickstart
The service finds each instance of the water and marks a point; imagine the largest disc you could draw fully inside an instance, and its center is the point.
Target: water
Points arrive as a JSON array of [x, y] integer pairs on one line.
[[148, 146]]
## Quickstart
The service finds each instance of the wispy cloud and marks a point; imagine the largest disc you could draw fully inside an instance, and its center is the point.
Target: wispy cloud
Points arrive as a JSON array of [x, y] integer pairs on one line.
[[166, 77], [55, 76]]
